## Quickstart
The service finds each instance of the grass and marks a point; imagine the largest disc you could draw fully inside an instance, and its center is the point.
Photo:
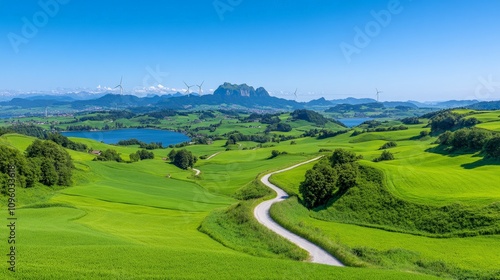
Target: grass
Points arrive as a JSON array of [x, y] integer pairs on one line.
[[473, 257], [128, 221], [461, 256]]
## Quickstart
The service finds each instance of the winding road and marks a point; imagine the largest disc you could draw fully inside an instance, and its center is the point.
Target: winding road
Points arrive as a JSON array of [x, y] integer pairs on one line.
[[261, 213]]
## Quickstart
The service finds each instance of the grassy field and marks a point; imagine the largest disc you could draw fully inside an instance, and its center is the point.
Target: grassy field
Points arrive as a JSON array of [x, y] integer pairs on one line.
[[422, 175], [128, 221]]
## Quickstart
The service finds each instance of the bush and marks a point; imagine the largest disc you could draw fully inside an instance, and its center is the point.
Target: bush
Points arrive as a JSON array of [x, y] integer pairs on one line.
[[492, 148], [109, 155], [386, 155], [388, 145], [424, 133]]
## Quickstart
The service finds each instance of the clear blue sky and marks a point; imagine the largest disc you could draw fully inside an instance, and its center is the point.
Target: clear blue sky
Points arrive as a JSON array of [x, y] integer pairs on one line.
[[428, 50]]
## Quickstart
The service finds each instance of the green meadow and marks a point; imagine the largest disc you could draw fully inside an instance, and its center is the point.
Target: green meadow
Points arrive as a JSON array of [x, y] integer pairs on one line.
[[129, 221], [420, 175]]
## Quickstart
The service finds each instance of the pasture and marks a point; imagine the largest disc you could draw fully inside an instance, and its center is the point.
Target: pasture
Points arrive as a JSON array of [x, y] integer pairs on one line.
[[128, 221]]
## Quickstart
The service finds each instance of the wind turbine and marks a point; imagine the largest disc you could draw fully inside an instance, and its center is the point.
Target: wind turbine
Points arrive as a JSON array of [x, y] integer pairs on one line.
[[295, 93], [378, 93], [120, 86], [188, 87], [199, 86]]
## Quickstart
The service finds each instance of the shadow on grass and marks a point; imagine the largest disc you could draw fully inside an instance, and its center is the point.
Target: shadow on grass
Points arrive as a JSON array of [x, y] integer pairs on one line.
[[480, 163], [447, 151]]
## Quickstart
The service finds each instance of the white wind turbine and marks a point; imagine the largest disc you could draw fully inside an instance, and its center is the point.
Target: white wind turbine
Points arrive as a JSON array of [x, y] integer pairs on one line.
[[378, 93], [188, 88], [199, 86], [120, 86]]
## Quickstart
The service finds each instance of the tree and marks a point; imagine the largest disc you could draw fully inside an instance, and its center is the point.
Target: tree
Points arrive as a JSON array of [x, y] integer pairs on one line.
[[347, 167], [319, 185], [143, 154], [492, 148], [184, 159], [171, 155], [49, 175], [12, 157], [341, 156], [134, 157], [47, 153], [347, 175], [109, 155], [275, 153]]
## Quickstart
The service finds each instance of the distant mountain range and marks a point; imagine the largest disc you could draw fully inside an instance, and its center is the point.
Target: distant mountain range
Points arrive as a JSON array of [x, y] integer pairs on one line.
[[226, 95]]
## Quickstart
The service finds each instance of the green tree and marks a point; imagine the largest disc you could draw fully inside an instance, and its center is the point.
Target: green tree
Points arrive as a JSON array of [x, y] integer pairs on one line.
[[184, 159], [109, 155], [492, 148], [49, 175], [275, 153], [48, 152], [347, 167], [319, 185], [347, 175], [342, 156], [12, 157], [134, 157]]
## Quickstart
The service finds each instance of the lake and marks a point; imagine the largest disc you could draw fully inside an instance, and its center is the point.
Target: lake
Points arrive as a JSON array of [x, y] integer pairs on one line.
[[354, 121], [145, 135]]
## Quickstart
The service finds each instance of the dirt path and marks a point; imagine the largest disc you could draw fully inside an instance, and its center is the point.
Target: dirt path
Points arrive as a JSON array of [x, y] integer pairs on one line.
[[261, 213], [213, 155]]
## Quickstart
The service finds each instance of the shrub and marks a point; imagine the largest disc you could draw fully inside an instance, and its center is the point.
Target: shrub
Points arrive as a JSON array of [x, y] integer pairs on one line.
[[386, 155], [388, 145], [492, 148]]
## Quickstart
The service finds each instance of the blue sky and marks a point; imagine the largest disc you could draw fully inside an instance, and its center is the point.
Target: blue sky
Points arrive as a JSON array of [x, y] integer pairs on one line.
[[411, 50]]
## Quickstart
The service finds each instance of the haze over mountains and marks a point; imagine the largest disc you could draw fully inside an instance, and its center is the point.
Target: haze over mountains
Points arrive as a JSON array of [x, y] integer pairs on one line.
[[225, 95]]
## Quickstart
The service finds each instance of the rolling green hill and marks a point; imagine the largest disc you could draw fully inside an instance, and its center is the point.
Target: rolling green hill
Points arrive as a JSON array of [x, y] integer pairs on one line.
[[128, 221]]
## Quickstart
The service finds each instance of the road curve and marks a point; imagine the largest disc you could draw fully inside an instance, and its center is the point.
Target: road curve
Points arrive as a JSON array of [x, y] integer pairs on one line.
[[261, 213], [197, 171]]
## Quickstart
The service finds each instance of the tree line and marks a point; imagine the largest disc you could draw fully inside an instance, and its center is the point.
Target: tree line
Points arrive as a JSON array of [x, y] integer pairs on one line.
[[472, 139], [43, 162]]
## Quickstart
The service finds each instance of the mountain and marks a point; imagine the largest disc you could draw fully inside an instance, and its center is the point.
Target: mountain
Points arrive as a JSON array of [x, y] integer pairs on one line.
[[445, 104], [491, 105], [232, 90], [392, 104], [51, 97], [353, 101], [319, 102], [26, 103]]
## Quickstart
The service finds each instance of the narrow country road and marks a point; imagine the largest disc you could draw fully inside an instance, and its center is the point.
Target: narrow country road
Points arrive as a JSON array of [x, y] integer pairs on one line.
[[197, 171], [213, 155], [261, 213]]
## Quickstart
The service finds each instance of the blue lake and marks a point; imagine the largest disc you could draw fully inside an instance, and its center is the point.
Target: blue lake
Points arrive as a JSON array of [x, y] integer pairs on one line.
[[145, 135], [354, 121]]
